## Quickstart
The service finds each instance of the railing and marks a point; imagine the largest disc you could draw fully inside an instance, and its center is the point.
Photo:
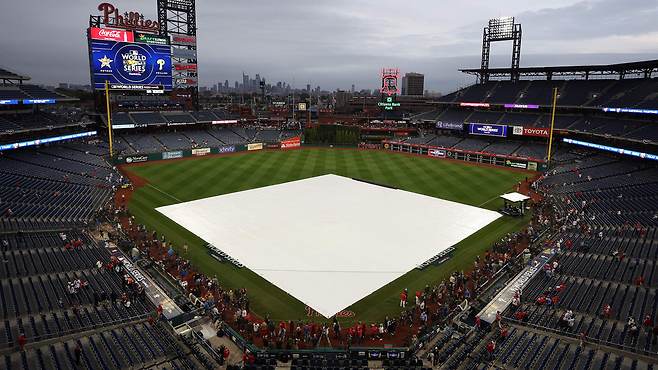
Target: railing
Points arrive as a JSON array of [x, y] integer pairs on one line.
[[64, 333], [207, 347], [588, 339]]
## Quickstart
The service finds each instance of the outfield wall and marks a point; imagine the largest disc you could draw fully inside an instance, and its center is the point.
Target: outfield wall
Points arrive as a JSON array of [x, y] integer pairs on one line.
[[175, 154], [530, 164], [290, 143]]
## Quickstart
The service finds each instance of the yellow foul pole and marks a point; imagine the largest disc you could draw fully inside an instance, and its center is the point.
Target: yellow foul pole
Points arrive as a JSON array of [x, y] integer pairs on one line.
[[109, 117], [550, 136]]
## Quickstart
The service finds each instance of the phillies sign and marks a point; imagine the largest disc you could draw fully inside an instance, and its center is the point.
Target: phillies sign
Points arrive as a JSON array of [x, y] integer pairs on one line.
[[535, 131], [111, 17], [390, 78], [111, 35]]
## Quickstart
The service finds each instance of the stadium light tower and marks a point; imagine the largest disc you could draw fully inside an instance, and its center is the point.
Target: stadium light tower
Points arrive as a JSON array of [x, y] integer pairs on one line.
[[501, 29], [177, 19]]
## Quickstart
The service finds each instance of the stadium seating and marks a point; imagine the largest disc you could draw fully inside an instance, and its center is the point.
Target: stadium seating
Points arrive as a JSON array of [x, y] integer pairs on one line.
[[179, 117], [589, 95], [204, 116], [37, 92], [226, 136], [173, 140], [148, 118], [485, 117], [12, 92], [143, 143], [456, 116], [475, 145], [201, 138], [267, 136], [48, 188], [63, 188]]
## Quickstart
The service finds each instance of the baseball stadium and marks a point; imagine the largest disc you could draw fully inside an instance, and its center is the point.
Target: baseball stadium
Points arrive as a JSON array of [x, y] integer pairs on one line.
[[512, 223]]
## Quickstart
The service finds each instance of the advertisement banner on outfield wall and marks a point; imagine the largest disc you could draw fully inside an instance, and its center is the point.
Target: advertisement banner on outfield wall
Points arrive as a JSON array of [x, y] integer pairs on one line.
[[137, 159], [200, 151], [293, 142], [172, 155], [273, 146], [449, 125], [516, 164], [517, 130], [532, 166], [255, 146], [226, 149], [438, 153]]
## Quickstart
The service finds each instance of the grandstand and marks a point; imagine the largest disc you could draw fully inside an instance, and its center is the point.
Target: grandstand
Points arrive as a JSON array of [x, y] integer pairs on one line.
[[92, 277], [607, 256]]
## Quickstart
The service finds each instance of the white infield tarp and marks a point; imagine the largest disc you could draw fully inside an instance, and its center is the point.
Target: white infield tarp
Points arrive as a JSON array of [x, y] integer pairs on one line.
[[329, 241]]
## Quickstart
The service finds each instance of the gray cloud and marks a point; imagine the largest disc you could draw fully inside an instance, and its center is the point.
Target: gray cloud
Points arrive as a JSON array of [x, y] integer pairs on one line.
[[337, 43]]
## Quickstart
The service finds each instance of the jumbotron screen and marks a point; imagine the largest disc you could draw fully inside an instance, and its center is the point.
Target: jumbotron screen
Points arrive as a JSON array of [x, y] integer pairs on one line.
[[125, 63]]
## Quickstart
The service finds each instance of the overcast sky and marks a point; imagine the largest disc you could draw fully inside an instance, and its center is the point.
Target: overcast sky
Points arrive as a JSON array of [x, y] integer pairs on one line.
[[336, 43]]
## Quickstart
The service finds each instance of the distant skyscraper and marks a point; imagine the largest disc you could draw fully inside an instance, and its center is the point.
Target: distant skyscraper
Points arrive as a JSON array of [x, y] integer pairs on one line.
[[245, 80], [413, 84], [237, 85], [353, 88], [308, 87], [226, 84]]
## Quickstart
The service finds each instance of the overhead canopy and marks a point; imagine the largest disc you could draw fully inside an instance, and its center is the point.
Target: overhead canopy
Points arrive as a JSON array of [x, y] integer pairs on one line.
[[515, 197], [646, 67]]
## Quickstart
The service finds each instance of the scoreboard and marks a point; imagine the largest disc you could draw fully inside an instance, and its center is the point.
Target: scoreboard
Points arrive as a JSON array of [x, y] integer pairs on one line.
[[130, 64]]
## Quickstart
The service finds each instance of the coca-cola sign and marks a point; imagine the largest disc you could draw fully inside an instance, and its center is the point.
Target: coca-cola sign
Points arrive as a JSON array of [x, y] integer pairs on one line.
[[111, 35], [112, 17], [535, 131]]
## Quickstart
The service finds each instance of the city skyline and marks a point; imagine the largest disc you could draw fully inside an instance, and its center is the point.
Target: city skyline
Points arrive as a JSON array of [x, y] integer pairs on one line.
[[336, 45]]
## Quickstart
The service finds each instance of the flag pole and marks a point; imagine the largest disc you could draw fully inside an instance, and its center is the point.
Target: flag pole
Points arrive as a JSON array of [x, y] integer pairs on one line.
[[109, 118], [550, 136]]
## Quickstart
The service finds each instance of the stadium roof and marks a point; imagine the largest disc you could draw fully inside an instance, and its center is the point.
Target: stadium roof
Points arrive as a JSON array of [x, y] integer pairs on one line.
[[645, 68], [6, 74]]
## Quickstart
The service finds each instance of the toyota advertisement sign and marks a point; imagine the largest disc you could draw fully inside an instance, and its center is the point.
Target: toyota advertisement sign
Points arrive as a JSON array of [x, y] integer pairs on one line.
[[536, 131]]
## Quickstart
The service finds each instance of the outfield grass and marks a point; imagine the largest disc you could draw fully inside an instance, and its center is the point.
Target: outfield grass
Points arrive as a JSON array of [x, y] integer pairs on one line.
[[172, 182]]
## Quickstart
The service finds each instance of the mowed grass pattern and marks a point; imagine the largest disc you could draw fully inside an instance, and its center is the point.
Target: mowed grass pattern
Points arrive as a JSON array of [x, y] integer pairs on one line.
[[181, 181]]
